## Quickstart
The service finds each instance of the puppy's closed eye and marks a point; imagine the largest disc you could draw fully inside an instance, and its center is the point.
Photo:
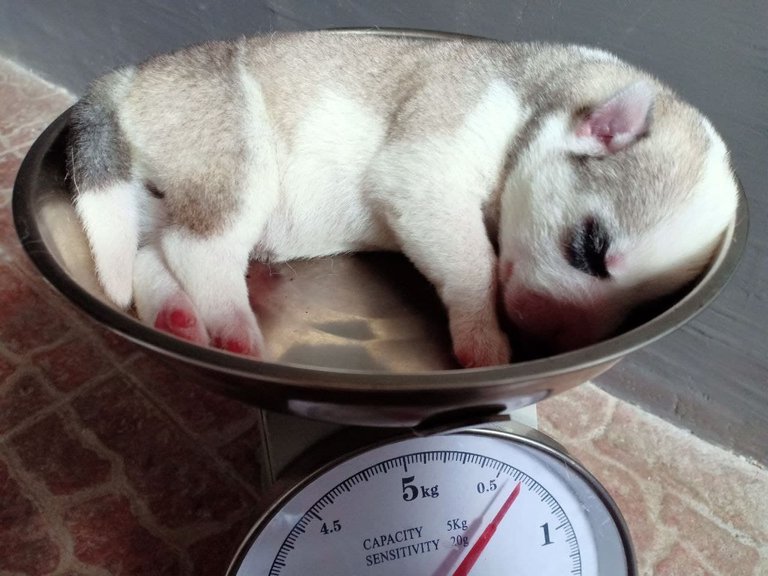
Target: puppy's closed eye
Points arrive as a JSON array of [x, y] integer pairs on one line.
[[586, 246]]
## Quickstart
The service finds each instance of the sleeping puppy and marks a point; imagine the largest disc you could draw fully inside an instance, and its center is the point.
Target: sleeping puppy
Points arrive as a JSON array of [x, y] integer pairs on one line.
[[555, 179]]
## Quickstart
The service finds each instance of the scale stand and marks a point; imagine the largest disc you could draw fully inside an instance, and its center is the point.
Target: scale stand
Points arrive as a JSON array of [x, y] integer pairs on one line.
[[287, 437]]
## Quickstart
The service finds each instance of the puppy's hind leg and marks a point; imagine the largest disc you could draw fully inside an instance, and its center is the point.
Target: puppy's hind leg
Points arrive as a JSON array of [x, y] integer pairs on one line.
[[160, 301], [212, 274], [218, 199]]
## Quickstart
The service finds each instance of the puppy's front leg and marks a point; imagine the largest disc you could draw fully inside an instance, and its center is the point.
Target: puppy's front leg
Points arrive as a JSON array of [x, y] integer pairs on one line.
[[466, 280], [449, 245]]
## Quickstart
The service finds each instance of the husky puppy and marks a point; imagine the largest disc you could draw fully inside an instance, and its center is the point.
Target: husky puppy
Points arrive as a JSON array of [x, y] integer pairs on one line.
[[556, 180]]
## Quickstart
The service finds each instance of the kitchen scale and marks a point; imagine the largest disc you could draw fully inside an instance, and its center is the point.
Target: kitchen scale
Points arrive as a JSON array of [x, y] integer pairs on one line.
[[383, 457], [499, 498]]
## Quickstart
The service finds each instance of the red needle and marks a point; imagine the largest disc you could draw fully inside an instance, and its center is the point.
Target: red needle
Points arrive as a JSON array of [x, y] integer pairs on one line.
[[478, 547]]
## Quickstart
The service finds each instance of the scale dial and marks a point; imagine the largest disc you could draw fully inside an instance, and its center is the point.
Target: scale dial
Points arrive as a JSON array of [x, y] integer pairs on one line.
[[476, 502]]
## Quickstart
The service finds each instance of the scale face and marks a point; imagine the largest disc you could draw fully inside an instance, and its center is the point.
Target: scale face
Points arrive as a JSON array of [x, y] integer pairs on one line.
[[476, 501]]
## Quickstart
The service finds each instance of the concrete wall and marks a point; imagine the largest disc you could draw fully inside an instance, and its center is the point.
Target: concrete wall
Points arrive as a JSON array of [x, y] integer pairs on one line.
[[712, 375]]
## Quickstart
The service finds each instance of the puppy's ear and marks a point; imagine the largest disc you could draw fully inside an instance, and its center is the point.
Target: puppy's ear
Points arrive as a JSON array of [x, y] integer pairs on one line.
[[616, 123]]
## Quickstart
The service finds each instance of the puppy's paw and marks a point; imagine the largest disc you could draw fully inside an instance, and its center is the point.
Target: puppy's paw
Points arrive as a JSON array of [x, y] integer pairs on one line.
[[480, 346], [177, 316], [238, 333]]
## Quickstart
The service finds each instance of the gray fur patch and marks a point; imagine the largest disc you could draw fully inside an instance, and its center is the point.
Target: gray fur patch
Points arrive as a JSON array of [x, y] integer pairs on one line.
[[97, 154]]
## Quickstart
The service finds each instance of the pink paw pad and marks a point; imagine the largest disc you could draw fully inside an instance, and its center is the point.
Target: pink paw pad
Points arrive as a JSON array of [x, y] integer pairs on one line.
[[238, 334], [232, 345], [466, 358], [180, 320], [480, 349]]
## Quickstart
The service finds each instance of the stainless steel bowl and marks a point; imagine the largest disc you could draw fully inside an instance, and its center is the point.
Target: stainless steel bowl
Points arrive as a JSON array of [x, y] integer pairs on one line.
[[357, 339]]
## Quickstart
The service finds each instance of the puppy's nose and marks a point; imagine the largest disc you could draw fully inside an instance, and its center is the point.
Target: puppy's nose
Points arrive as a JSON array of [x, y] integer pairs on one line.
[[506, 269]]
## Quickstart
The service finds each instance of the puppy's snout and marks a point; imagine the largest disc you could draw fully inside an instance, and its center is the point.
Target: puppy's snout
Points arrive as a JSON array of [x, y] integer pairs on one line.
[[544, 324]]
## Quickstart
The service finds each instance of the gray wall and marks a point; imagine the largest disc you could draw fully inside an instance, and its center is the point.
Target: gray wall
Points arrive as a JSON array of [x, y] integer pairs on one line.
[[712, 375]]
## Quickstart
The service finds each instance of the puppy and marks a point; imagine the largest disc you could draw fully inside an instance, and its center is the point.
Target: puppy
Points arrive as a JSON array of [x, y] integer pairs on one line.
[[557, 180]]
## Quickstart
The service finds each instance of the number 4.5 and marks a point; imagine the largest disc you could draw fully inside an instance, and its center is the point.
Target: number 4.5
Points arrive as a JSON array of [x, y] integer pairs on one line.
[[335, 527]]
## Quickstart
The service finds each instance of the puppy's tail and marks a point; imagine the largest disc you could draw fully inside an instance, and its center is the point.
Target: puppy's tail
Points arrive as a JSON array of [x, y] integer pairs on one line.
[[107, 199]]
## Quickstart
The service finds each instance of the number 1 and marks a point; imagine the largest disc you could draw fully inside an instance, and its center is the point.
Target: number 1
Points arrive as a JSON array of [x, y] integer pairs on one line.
[[545, 527]]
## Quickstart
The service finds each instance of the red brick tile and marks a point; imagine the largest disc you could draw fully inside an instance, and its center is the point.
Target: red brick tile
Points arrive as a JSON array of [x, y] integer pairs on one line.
[[72, 363], [678, 563], [203, 411], [718, 547], [630, 497], [26, 546], [575, 414], [179, 482], [9, 166], [9, 240], [28, 107], [26, 321], [20, 87], [213, 555], [6, 369], [21, 398], [630, 439], [106, 533], [731, 489], [243, 454], [58, 457], [22, 137], [117, 344]]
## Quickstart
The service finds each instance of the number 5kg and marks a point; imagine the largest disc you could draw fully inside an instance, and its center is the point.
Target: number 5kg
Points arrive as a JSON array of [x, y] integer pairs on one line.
[[412, 491]]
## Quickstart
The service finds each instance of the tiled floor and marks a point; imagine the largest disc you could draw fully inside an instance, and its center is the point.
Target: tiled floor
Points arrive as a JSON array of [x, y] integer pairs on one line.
[[112, 464]]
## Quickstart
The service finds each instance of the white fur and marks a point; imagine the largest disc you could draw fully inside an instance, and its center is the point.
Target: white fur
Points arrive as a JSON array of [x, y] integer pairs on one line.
[[462, 164], [432, 192], [153, 283], [114, 259], [703, 217], [322, 210], [597, 54], [540, 190]]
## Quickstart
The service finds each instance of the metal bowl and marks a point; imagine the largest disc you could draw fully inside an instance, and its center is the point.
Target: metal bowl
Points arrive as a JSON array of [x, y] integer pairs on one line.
[[359, 339]]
